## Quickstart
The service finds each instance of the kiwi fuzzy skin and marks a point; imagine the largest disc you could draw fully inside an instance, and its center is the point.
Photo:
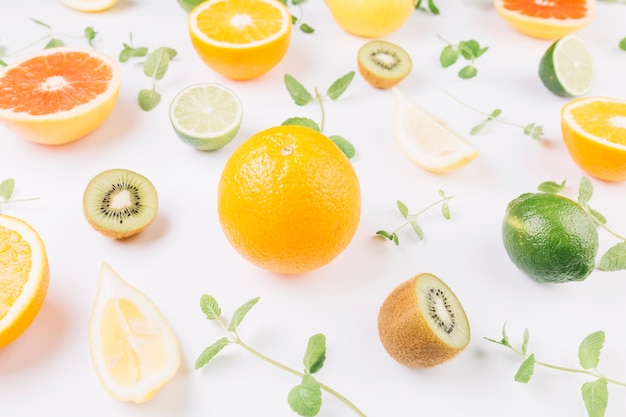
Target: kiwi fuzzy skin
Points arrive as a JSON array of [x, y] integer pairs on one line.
[[404, 333]]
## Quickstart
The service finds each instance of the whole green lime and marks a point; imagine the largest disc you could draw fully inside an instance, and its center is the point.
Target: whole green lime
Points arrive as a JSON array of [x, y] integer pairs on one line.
[[550, 238]]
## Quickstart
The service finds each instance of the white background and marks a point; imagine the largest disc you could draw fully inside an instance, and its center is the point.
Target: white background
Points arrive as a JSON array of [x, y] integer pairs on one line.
[[184, 254]]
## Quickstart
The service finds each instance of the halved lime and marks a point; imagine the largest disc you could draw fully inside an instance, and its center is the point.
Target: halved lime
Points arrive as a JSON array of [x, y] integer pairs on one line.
[[206, 116], [566, 68]]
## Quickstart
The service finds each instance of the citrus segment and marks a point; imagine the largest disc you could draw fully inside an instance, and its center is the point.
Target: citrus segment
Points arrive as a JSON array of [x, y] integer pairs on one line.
[[58, 95], [206, 116], [24, 277], [425, 140], [594, 133], [133, 349], [546, 19], [240, 39], [566, 68], [90, 5], [289, 200]]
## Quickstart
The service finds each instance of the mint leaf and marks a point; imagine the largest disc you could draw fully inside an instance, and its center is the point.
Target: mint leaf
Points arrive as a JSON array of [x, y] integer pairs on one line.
[[315, 354], [39, 22], [298, 93], [417, 229], [449, 55], [339, 86], [302, 121], [589, 350], [585, 190], [240, 314], [90, 35], [149, 99], [551, 187], [132, 52], [622, 44], [346, 147], [54, 43], [597, 216], [306, 398], [158, 61], [614, 259], [210, 352], [596, 397], [468, 72], [210, 307], [404, 210], [306, 28], [525, 341], [6, 188], [526, 370]]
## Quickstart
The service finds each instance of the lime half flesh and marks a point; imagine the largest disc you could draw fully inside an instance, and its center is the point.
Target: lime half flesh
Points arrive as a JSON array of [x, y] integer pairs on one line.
[[206, 116], [566, 68]]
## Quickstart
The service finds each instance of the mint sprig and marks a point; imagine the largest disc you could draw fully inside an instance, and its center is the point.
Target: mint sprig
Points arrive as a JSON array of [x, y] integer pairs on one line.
[[614, 259], [54, 40], [305, 398], [301, 97], [595, 393], [470, 50], [7, 187], [298, 20], [155, 67], [411, 218], [430, 7], [532, 129]]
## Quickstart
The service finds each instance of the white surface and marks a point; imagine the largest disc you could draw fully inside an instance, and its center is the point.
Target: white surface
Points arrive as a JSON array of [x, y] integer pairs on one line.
[[184, 254]]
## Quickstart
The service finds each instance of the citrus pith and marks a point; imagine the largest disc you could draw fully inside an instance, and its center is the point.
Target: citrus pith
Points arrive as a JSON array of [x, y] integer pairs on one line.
[[289, 200], [58, 95], [240, 39], [24, 277], [594, 133]]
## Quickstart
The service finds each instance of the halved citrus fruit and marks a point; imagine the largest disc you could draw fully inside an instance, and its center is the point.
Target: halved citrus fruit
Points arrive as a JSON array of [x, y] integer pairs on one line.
[[427, 141], [24, 277], [240, 39], [133, 349], [90, 5], [58, 95], [545, 19], [594, 132], [566, 68]]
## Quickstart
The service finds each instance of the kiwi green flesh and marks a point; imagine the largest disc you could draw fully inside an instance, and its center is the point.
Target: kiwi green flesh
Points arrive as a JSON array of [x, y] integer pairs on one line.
[[383, 64], [120, 203], [442, 311]]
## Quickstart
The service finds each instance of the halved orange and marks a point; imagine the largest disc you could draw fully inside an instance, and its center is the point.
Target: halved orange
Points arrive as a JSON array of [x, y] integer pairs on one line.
[[240, 39], [594, 132], [547, 19], [58, 95], [24, 276]]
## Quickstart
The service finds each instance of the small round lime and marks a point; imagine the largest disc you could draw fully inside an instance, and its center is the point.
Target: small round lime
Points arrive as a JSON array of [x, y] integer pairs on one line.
[[188, 5], [566, 68], [206, 116], [550, 238]]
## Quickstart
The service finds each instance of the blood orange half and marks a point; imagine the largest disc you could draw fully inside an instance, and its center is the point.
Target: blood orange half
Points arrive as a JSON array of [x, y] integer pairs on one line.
[[58, 95], [547, 19]]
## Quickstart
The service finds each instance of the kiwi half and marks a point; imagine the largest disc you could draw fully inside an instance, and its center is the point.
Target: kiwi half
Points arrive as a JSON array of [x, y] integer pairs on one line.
[[422, 324], [383, 64], [120, 203]]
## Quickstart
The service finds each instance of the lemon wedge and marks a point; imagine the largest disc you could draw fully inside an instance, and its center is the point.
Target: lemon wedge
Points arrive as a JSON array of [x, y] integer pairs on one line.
[[133, 349], [427, 141], [90, 5]]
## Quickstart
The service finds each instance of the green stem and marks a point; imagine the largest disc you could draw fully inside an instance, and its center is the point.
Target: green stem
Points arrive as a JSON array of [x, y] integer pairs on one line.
[[482, 112], [286, 368], [319, 99], [604, 226], [414, 216], [18, 200], [593, 373], [35, 42]]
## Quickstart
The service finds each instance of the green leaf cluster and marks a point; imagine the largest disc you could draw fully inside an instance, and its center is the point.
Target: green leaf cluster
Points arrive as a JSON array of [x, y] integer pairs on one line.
[[470, 50], [533, 129], [155, 67], [614, 259], [411, 218], [7, 187], [304, 27], [301, 97], [54, 40], [595, 393], [306, 397], [430, 6]]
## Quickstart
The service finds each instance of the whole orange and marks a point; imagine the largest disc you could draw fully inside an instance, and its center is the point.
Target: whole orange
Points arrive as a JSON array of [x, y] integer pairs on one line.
[[289, 200]]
